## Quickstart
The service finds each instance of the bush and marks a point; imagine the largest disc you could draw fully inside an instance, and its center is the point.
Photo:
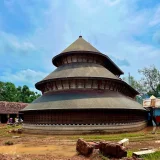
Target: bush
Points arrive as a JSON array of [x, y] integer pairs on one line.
[[9, 143]]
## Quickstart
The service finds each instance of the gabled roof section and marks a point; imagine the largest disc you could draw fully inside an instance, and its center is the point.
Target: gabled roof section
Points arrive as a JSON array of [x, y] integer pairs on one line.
[[80, 45]]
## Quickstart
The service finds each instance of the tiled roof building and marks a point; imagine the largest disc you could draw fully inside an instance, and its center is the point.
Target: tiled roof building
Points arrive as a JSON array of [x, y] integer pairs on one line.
[[10, 109]]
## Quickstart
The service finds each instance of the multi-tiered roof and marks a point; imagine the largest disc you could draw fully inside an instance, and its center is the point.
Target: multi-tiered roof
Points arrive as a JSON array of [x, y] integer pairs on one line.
[[84, 95], [84, 78]]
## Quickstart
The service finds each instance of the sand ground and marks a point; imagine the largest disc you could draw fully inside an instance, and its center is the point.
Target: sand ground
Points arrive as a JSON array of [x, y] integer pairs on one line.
[[49, 147]]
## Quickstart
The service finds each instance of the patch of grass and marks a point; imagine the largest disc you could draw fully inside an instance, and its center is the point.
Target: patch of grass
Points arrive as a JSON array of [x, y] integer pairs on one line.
[[129, 153], [103, 157], [8, 143], [6, 128], [153, 156], [134, 136]]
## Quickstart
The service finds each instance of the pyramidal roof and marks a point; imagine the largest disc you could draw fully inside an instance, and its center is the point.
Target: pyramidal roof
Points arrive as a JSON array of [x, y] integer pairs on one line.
[[80, 45], [152, 97]]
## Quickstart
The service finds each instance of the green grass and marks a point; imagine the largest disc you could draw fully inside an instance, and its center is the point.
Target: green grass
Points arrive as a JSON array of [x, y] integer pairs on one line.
[[116, 137], [129, 153], [103, 157], [153, 156], [134, 136], [4, 129], [8, 143]]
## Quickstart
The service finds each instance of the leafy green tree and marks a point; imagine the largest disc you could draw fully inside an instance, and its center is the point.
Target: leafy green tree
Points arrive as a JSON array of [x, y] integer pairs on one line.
[[1, 90], [135, 84], [8, 92], [151, 80], [33, 96], [25, 95]]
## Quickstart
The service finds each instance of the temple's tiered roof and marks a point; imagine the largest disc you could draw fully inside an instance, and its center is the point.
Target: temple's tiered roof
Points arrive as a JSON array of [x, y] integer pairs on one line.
[[84, 100], [81, 70], [81, 46], [84, 79]]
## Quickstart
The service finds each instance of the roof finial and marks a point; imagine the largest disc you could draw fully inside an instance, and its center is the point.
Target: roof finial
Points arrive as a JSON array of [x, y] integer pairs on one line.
[[80, 35]]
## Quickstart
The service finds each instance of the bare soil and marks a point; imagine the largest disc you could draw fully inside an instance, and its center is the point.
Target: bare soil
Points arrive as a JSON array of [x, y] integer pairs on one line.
[[47, 147]]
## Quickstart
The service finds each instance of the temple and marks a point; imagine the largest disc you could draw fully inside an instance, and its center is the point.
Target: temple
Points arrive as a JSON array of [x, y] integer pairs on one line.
[[84, 94]]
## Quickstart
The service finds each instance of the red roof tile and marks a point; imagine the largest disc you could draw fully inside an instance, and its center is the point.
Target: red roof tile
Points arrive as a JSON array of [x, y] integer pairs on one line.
[[11, 107]]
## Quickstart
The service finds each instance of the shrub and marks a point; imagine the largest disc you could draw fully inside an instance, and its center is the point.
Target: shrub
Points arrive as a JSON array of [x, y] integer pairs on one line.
[[9, 143]]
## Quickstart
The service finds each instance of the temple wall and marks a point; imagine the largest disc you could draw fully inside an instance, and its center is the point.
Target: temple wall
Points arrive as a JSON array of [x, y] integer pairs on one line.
[[88, 117], [83, 129], [80, 57], [74, 84]]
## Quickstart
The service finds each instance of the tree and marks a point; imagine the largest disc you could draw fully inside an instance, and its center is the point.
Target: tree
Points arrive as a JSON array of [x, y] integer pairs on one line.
[[151, 80], [8, 92], [25, 95], [1, 90], [134, 84]]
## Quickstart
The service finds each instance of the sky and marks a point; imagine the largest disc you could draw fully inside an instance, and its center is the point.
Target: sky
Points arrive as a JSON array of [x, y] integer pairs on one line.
[[32, 32]]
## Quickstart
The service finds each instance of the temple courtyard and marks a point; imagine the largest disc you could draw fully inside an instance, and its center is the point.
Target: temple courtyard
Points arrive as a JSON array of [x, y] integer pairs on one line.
[[40, 147]]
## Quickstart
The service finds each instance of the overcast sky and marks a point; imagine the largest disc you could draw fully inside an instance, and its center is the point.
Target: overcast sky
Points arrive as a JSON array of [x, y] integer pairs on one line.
[[33, 31]]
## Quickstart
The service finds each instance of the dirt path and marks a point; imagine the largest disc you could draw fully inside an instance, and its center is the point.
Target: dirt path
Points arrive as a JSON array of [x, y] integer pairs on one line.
[[57, 150], [64, 149], [45, 147]]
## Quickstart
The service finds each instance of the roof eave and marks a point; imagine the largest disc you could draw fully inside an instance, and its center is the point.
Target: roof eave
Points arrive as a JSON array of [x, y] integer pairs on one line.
[[119, 71]]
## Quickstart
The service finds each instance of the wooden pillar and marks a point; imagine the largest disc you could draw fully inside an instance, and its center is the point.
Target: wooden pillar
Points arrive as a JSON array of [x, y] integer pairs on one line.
[[76, 83], [62, 86], [69, 84], [84, 83], [55, 85], [67, 59], [92, 84]]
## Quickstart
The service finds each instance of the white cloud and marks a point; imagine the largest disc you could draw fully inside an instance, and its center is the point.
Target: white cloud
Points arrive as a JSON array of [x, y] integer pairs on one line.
[[89, 7], [155, 20], [19, 53], [12, 43], [109, 25], [156, 37], [112, 2], [27, 76], [121, 31]]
